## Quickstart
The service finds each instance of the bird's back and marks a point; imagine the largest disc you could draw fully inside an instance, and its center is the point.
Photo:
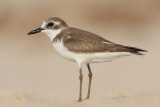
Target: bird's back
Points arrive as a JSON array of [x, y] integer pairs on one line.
[[81, 41]]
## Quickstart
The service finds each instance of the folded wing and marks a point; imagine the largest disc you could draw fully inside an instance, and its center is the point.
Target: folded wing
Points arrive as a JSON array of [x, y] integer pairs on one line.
[[87, 42]]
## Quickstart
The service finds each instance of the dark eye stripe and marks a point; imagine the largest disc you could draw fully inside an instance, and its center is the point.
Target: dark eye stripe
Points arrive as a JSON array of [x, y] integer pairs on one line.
[[50, 24]]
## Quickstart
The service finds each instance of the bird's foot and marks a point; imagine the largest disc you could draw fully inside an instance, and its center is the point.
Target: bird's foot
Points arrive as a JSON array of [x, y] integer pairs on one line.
[[79, 100], [87, 98]]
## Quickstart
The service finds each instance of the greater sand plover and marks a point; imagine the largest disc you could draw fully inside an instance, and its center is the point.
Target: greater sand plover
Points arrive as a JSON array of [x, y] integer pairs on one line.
[[82, 46]]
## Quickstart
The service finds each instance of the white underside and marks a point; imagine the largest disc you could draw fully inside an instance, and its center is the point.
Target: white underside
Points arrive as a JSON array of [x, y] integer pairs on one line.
[[81, 58]]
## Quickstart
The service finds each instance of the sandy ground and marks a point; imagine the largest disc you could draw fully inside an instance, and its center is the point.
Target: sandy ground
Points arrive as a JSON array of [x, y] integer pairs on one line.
[[32, 74], [110, 99]]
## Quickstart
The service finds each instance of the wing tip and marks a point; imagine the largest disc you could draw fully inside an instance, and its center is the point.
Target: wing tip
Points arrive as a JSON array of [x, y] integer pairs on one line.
[[137, 51]]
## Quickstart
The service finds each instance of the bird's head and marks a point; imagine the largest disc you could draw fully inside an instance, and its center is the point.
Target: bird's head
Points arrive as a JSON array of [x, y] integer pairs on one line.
[[50, 26]]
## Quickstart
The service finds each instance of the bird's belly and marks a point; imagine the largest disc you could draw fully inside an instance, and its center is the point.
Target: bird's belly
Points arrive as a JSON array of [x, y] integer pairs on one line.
[[87, 57], [107, 56]]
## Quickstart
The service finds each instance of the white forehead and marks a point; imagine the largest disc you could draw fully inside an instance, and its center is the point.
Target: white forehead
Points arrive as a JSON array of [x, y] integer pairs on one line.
[[45, 23]]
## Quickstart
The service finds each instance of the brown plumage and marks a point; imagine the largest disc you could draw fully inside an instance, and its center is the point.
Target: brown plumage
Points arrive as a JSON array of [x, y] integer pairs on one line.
[[80, 41]]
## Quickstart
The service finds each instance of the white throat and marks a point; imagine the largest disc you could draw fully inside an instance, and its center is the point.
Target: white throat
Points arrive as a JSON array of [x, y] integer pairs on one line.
[[52, 33]]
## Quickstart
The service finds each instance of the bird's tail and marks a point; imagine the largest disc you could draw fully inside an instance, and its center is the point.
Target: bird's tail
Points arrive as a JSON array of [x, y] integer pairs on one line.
[[135, 50]]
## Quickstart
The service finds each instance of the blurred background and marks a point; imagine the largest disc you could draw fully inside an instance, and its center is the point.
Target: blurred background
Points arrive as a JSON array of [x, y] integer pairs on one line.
[[29, 63]]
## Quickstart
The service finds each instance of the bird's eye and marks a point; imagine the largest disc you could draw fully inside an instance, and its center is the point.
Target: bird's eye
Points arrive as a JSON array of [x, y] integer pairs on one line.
[[50, 24]]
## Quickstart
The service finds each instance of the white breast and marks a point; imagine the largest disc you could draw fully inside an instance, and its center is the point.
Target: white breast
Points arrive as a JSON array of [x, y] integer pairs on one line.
[[62, 50]]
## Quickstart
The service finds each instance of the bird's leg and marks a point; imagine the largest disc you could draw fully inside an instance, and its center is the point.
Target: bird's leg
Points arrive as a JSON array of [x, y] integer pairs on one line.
[[80, 78], [90, 79]]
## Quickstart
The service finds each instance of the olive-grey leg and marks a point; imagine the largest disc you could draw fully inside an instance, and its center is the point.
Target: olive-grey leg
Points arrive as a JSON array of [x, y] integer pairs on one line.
[[90, 79]]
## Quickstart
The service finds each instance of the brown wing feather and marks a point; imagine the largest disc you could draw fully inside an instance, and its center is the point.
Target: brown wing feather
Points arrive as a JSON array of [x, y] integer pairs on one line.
[[81, 46], [81, 41], [78, 40], [79, 34]]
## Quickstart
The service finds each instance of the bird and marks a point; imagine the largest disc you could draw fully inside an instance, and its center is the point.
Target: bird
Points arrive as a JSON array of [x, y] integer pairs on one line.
[[82, 47]]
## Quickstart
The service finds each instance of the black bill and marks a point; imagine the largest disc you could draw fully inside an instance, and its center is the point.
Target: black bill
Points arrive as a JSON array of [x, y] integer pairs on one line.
[[35, 31]]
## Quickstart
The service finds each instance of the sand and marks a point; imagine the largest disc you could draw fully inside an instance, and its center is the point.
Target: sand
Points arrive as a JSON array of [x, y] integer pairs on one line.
[[108, 99]]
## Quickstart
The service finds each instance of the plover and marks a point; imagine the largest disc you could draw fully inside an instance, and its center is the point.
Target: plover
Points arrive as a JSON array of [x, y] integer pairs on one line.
[[82, 47]]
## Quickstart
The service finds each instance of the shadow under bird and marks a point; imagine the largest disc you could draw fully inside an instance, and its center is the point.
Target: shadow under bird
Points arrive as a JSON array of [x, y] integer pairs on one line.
[[82, 46]]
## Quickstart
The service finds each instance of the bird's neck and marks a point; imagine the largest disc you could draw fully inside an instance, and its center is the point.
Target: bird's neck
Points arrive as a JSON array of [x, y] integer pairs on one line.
[[53, 33]]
